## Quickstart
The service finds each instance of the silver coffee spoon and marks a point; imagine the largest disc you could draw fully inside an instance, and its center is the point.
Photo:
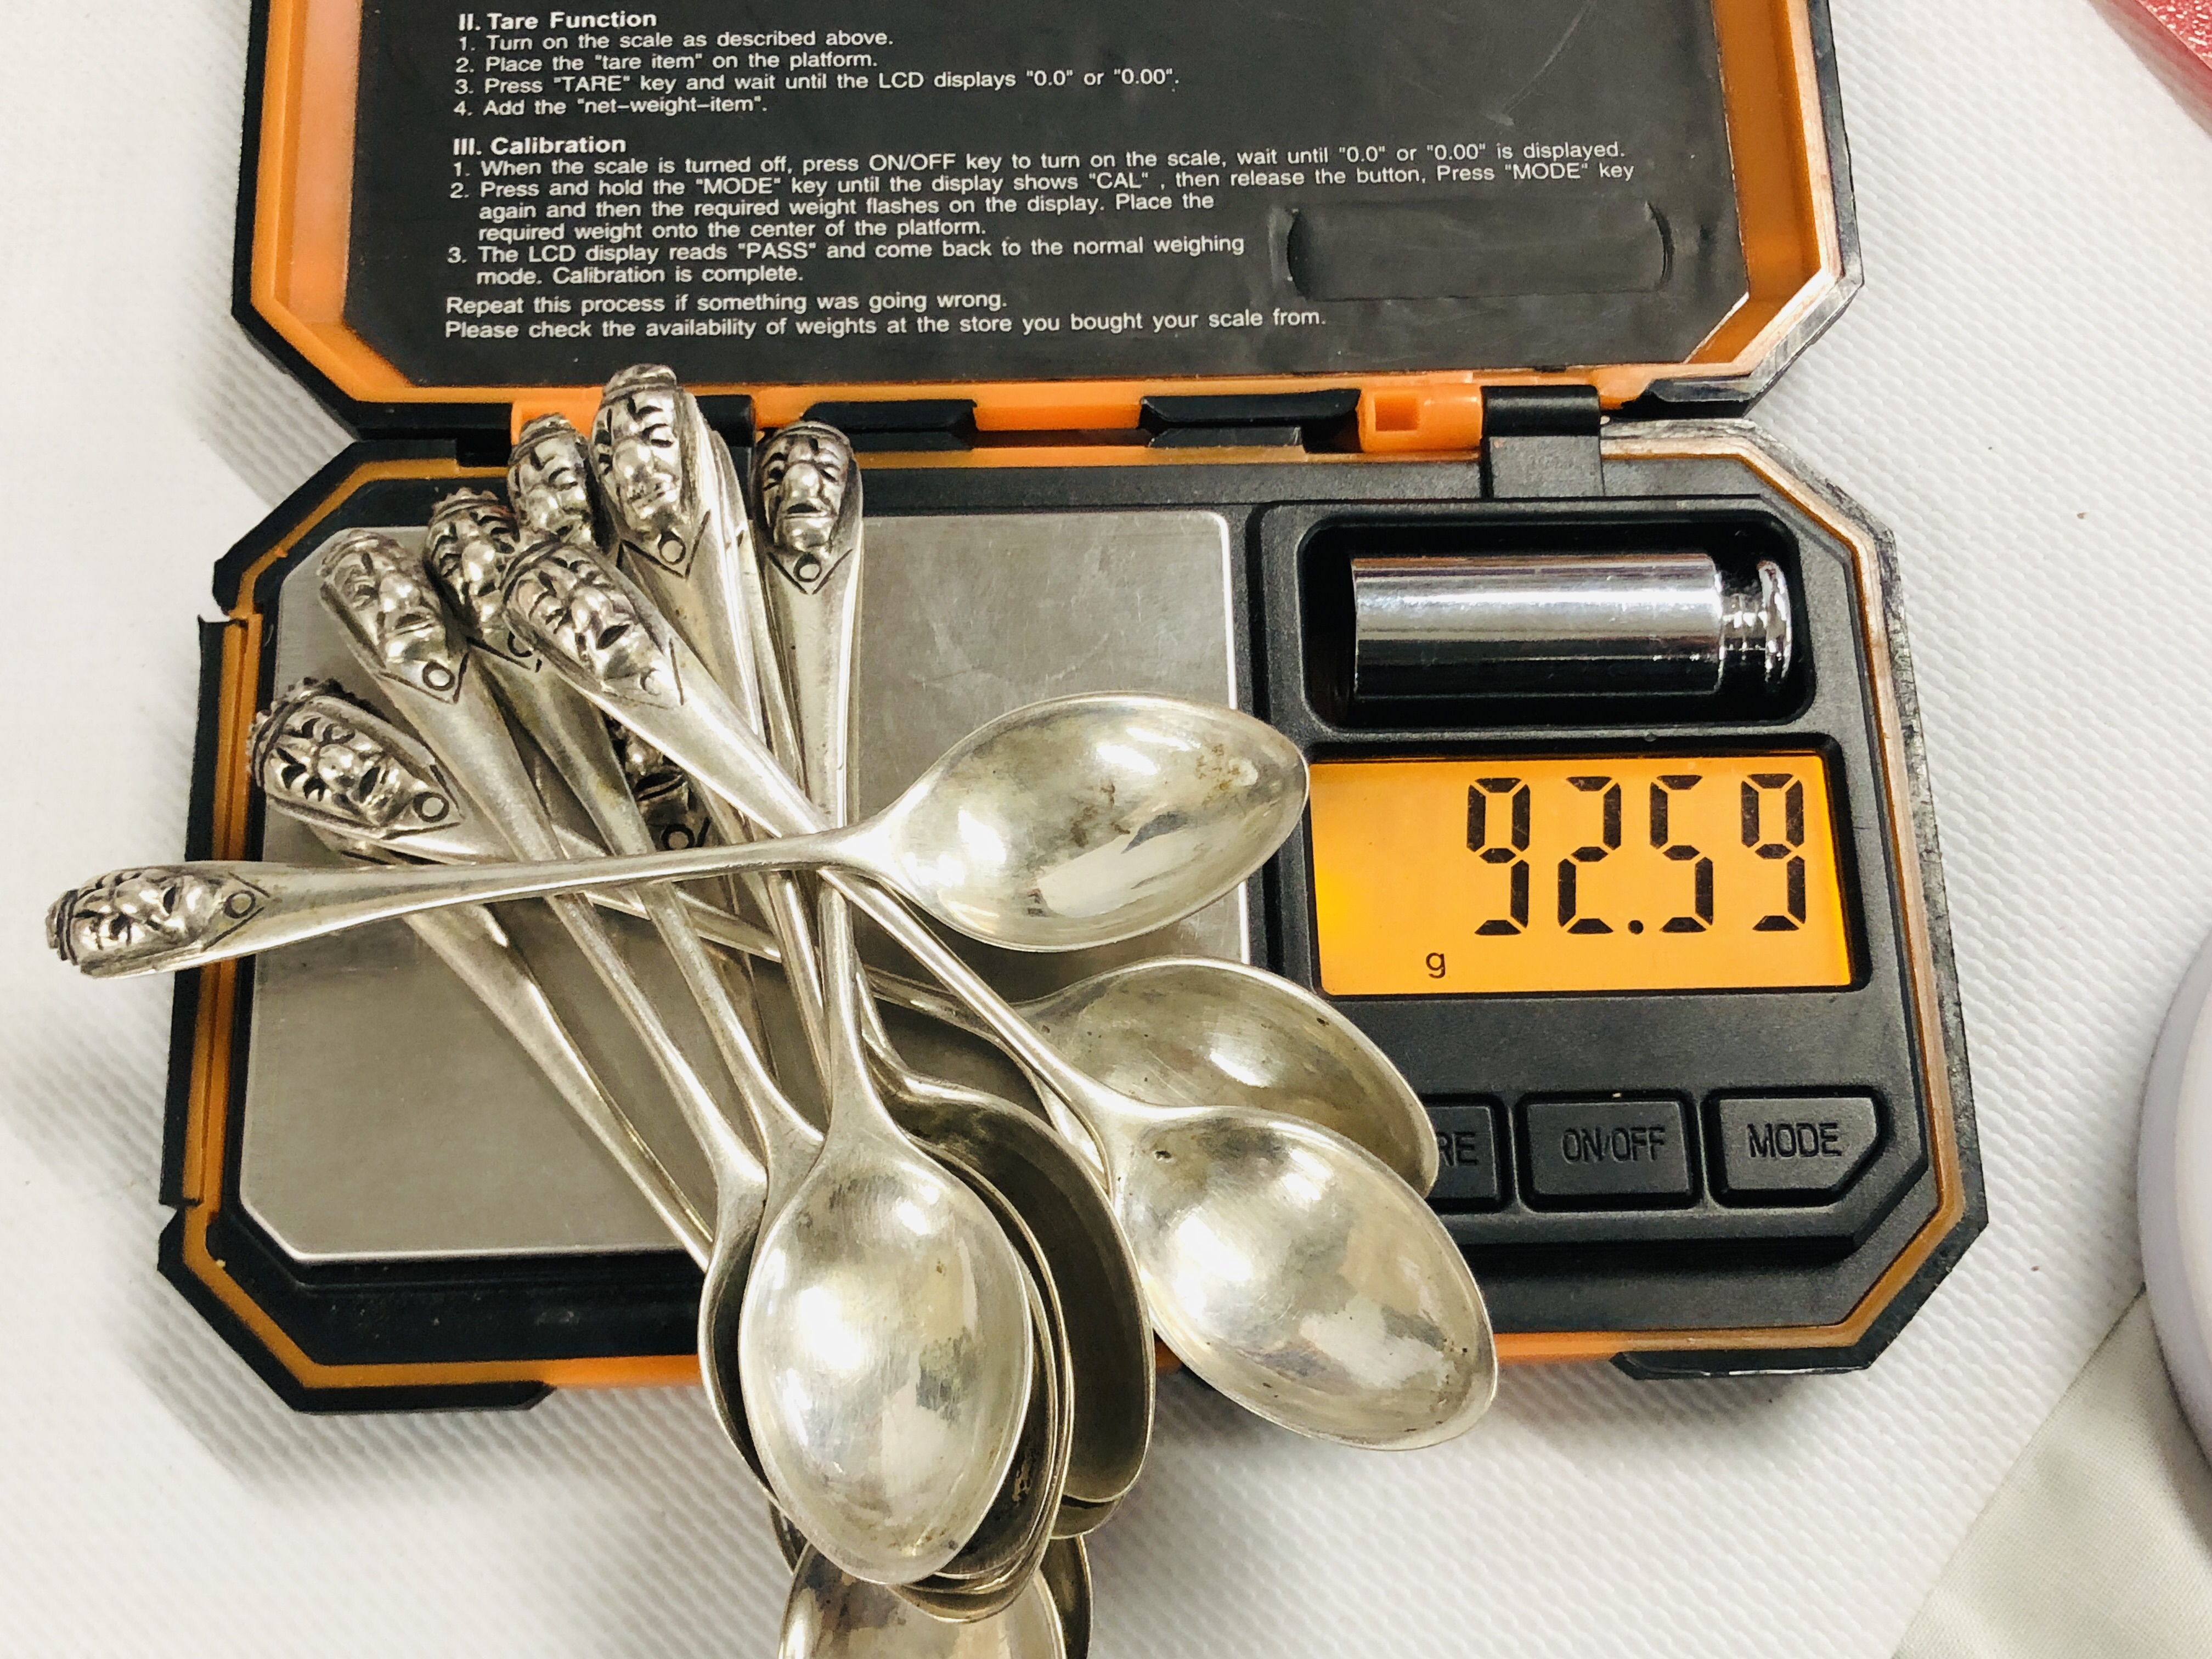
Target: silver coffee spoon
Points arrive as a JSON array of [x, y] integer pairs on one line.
[[884, 1347], [672, 512], [884, 1341], [470, 543], [1008, 812], [679, 517], [969, 1303], [811, 501]]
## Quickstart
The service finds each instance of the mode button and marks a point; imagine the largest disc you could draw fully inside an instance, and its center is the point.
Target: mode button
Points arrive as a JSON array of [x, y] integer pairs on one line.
[[1793, 1147]]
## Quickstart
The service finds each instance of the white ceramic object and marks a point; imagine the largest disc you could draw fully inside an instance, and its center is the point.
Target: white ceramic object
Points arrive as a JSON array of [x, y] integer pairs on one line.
[[2173, 1174]]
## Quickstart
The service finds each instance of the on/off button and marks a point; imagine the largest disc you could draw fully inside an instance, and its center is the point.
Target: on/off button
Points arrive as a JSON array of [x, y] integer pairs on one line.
[[1628, 1150]]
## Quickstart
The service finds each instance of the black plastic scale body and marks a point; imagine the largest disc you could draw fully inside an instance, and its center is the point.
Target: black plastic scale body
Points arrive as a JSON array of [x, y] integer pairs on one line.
[[1760, 1158]]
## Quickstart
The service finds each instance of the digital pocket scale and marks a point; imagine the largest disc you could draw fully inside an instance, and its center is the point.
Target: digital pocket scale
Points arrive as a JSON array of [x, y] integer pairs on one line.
[[1203, 353]]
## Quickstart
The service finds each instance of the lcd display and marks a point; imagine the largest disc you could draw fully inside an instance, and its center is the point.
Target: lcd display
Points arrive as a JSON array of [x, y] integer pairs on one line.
[[1589, 873]]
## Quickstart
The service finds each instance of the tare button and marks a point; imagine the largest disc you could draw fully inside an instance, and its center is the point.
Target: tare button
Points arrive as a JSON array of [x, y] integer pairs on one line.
[[1467, 1156], [1628, 1152], [1785, 1148]]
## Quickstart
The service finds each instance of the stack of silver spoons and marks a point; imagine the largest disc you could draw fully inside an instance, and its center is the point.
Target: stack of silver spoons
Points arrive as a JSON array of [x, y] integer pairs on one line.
[[926, 1324]]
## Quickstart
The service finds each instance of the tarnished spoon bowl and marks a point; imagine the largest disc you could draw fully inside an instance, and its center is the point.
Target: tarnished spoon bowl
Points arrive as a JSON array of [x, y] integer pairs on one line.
[[1061, 824], [1080, 1520], [1107, 1332], [830, 1614], [1066, 1578], [1304, 1280], [1198, 1031], [884, 1357]]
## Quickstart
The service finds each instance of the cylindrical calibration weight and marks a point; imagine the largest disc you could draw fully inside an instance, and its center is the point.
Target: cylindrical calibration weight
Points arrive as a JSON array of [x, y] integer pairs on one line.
[[1566, 625]]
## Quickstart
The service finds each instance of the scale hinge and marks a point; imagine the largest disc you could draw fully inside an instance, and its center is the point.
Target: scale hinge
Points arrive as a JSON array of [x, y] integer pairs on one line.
[[1540, 440]]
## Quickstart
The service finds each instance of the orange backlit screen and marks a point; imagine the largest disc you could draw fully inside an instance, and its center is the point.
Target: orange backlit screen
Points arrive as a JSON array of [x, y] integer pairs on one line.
[[1598, 873]]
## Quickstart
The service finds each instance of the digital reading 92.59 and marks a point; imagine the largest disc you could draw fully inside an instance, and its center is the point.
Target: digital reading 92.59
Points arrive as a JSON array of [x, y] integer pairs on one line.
[[1587, 873]]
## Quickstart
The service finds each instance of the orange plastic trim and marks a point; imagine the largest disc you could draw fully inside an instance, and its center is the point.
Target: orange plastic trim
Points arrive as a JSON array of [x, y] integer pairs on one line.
[[1785, 210]]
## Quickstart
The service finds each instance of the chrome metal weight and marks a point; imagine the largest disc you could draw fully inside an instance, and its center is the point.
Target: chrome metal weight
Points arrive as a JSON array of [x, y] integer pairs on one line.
[[1566, 625]]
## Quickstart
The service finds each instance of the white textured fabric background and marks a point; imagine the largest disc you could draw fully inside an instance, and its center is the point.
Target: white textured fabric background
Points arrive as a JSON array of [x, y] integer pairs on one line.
[[2099, 1542], [2014, 394]]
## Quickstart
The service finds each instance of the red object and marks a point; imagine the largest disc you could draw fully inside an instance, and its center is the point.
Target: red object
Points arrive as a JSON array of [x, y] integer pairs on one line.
[[2177, 35]]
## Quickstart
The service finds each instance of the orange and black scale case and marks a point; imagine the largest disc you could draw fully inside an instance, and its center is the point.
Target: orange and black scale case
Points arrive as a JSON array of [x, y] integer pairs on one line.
[[1134, 318]]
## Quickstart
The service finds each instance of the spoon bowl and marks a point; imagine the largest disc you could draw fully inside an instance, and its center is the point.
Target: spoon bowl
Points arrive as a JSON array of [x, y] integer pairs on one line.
[[1198, 1031], [1300, 1276], [1080, 1520], [721, 1300], [1087, 820], [1080, 1247], [884, 1357], [830, 1614], [1004, 1552], [1066, 1578]]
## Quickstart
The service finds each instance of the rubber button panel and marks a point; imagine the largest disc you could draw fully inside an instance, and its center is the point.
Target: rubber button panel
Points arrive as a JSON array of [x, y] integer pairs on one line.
[[1783, 1147], [1467, 1175], [1624, 1152]]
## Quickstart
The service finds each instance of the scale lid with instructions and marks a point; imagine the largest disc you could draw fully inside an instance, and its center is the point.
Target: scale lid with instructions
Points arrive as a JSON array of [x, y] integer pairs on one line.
[[1051, 216], [1155, 327]]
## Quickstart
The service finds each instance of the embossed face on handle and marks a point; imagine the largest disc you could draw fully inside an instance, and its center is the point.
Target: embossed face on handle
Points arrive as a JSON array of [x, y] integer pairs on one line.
[[381, 592], [810, 500], [549, 479], [331, 760], [471, 542], [664, 794], [644, 452], [570, 606], [130, 916]]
